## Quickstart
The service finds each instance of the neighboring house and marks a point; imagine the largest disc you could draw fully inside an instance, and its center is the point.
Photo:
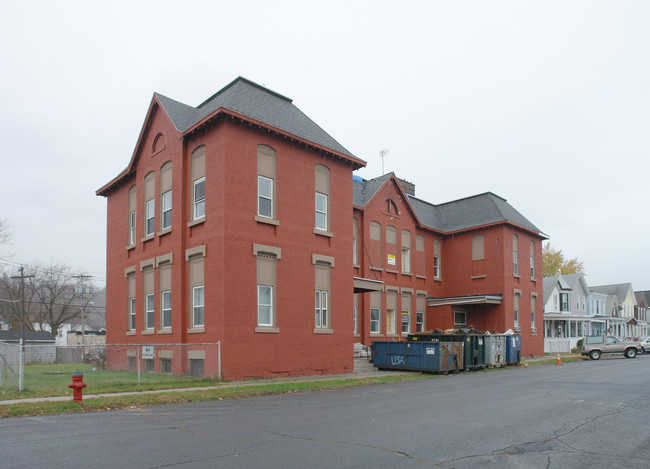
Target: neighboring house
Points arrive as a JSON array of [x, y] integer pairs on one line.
[[569, 312], [641, 311], [40, 347], [470, 262], [232, 223], [620, 306]]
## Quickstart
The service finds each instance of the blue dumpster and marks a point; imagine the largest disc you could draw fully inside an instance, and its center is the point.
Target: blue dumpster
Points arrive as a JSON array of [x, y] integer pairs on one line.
[[513, 349], [431, 356]]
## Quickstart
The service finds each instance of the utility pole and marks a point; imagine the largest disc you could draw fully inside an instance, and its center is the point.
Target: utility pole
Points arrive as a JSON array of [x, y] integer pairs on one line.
[[81, 278], [22, 278]]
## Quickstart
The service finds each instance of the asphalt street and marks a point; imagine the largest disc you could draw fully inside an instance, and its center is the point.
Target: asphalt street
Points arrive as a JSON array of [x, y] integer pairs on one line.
[[581, 414]]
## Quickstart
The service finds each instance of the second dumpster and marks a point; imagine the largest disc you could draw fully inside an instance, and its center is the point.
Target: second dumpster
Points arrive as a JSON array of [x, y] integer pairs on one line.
[[473, 350]]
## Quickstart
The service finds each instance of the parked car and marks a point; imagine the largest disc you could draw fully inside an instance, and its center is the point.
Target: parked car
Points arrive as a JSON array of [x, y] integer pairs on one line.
[[596, 345], [644, 344]]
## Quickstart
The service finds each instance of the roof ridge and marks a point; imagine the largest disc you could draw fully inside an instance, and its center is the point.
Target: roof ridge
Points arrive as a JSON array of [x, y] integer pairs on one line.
[[248, 82]]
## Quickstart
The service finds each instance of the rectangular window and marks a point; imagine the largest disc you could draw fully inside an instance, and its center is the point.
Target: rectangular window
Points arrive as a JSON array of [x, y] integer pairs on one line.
[[264, 305], [264, 197], [166, 365], [533, 310], [390, 321], [478, 251], [166, 210], [515, 255], [564, 302], [516, 312], [406, 322], [149, 311], [131, 314], [321, 211], [406, 260], [321, 309], [166, 301], [532, 259], [437, 253], [132, 228], [356, 320], [436, 267], [197, 306], [374, 320], [460, 318], [199, 198], [151, 209], [419, 321]]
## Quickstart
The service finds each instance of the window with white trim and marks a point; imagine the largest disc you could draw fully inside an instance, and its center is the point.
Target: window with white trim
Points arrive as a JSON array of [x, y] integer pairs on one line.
[[166, 221], [149, 203], [264, 197], [321, 200], [132, 228], [149, 311], [419, 321], [533, 313], [515, 255], [375, 317], [532, 259], [321, 211], [406, 322], [265, 305], [198, 319], [322, 312], [166, 307], [150, 214], [516, 310], [132, 313], [199, 198]]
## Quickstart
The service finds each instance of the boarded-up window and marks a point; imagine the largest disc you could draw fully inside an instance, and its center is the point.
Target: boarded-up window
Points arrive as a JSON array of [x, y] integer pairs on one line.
[[478, 250]]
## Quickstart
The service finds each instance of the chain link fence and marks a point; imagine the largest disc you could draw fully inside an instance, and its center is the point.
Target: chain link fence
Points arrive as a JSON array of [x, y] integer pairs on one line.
[[47, 369]]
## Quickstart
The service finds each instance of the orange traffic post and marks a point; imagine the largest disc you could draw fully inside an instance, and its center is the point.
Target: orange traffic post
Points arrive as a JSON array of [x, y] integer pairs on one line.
[[559, 360]]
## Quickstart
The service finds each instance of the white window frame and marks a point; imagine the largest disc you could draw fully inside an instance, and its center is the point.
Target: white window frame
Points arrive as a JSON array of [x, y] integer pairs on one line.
[[532, 266], [321, 213], [149, 311], [375, 324], [517, 301], [261, 196], [199, 203], [356, 320], [166, 202], [533, 313], [515, 263], [132, 324], [321, 311], [419, 321], [436, 266], [150, 214], [132, 228], [261, 305], [198, 307], [166, 309]]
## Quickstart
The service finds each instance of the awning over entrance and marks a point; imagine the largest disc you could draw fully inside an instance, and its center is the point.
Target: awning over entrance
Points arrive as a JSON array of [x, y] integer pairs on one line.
[[465, 300], [362, 285]]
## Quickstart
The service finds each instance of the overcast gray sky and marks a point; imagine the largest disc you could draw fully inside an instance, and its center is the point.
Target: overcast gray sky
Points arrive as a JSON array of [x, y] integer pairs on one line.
[[545, 103]]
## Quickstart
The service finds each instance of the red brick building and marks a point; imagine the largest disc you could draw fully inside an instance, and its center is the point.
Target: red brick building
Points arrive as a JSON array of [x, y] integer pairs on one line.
[[471, 262], [231, 223]]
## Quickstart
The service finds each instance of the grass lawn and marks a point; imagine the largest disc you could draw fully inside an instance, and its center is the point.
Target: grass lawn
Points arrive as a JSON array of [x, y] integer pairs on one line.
[[53, 380]]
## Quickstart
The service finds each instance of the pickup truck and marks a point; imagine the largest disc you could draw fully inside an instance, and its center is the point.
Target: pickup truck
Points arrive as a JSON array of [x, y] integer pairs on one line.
[[594, 346]]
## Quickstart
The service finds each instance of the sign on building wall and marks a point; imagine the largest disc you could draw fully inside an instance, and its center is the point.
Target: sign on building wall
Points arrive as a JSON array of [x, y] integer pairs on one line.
[[391, 259], [147, 352]]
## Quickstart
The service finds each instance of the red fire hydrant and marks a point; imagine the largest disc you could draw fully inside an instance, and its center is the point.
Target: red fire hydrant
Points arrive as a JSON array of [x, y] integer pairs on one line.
[[77, 386]]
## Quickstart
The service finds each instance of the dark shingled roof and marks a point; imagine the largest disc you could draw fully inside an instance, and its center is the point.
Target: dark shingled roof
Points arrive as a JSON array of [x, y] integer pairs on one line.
[[478, 210], [30, 336], [252, 100]]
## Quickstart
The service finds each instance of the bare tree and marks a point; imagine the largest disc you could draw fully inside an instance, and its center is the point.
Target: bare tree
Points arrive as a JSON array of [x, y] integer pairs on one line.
[[10, 302], [5, 233], [56, 299]]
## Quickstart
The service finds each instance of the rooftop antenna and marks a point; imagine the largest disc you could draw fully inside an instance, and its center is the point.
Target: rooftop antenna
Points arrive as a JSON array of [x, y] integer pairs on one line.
[[382, 154]]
